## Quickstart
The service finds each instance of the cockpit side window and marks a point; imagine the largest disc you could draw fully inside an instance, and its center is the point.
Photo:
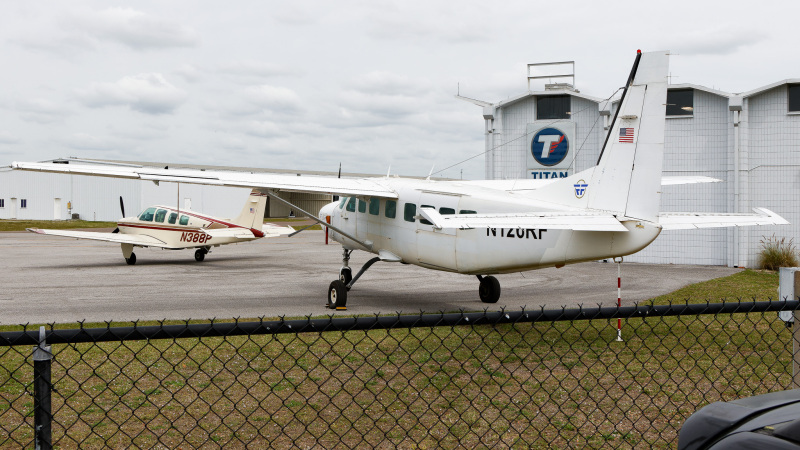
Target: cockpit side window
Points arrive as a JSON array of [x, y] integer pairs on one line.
[[173, 217], [351, 204], [362, 206], [341, 203], [161, 214], [374, 206], [184, 220], [147, 215]]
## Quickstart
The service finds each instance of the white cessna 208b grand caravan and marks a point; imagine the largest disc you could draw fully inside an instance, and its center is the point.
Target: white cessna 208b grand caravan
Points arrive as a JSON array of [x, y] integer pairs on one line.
[[496, 226], [175, 229]]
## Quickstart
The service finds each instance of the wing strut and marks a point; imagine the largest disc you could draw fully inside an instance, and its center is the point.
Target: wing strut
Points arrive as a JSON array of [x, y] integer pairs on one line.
[[318, 220]]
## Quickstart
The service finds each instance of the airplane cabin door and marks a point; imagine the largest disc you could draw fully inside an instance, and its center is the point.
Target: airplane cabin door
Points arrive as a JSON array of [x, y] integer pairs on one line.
[[436, 248]]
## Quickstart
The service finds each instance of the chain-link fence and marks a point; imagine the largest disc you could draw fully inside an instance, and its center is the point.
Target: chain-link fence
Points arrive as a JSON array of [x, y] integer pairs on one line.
[[541, 379]]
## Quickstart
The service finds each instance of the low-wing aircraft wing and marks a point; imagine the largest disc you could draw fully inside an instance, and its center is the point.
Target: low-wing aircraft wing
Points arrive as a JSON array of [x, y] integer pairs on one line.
[[132, 239], [339, 186], [688, 221], [583, 221]]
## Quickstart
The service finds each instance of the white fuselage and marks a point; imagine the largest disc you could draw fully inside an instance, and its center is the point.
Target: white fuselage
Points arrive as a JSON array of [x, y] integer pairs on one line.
[[179, 229], [473, 251]]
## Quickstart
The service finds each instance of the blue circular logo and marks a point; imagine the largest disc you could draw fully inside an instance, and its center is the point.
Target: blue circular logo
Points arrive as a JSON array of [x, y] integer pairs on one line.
[[549, 147]]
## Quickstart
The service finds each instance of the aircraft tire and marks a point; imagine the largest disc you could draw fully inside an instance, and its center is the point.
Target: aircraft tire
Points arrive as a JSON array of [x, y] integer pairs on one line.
[[200, 254], [345, 275], [337, 295], [132, 260], [489, 290]]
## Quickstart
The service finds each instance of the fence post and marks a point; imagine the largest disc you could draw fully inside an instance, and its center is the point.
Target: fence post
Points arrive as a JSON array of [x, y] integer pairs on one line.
[[42, 406]]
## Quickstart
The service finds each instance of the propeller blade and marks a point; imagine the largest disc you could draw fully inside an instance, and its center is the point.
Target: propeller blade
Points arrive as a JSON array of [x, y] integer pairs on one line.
[[340, 171], [122, 206]]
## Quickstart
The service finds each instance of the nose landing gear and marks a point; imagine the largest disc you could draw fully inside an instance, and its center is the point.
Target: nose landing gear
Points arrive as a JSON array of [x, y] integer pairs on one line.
[[337, 290]]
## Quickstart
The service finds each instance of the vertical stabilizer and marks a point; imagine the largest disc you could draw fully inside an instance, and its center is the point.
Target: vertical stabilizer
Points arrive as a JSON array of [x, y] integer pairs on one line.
[[627, 179], [252, 215]]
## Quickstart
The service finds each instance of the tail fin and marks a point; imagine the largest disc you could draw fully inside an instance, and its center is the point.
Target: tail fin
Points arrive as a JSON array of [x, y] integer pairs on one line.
[[252, 215], [627, 179]]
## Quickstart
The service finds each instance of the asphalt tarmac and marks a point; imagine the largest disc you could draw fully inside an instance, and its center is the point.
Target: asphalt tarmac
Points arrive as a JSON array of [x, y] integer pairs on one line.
[[48, 279]]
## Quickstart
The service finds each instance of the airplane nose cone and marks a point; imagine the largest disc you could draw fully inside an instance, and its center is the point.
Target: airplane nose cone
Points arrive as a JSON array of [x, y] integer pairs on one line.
[[327, 210]]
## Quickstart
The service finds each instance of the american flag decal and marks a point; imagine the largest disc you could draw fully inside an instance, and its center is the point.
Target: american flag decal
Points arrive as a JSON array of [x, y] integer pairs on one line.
[[626, 135], [252, 210]]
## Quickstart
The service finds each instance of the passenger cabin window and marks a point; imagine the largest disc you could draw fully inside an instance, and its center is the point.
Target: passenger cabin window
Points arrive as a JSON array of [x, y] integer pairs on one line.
[[173, 217], [794, 98], [467, 211], [446, 211], [391, 209], [184, 220], [409, 212], [374, 206], [425, 221], [362, 206], [161, 214], [553, 107], [351, 204], [680, 102], [147, 215]]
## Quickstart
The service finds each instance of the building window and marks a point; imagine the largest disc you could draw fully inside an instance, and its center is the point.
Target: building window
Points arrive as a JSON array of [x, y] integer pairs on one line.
[[23, 203], [2, 203], [553, 107], [680, 102], [794, 98]]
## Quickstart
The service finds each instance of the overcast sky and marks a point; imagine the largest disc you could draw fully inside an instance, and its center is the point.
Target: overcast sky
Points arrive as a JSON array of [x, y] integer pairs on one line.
[[309, 84]]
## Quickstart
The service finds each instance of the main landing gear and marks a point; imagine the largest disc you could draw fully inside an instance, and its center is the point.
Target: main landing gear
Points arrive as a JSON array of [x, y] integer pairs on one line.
[[200, 254], [489, 289], [337, 291], [132, 260]]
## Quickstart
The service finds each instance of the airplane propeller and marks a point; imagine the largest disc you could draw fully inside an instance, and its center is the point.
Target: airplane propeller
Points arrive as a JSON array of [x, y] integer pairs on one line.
[[122, 206]]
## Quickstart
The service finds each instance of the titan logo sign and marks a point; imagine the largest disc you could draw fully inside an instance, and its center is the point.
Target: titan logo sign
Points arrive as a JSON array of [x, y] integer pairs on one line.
[[549, 147]]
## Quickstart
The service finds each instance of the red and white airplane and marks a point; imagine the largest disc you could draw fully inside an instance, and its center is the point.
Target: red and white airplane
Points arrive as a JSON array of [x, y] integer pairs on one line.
[[175, 229]]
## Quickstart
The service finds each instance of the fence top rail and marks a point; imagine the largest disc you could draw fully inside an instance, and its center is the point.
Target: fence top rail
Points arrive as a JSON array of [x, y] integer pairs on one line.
[[378, 322]]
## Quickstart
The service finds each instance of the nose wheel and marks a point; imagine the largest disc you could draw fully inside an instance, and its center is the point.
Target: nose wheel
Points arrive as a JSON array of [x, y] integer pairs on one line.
[[337, 290]]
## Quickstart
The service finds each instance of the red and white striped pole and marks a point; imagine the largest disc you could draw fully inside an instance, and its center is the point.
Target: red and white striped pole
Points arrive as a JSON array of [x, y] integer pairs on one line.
[[619, 297]]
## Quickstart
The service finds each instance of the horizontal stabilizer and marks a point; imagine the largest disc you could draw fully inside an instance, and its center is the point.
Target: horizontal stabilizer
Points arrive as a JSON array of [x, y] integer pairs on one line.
[[272, 230], [688, 221], [133, 239], [583, 221]]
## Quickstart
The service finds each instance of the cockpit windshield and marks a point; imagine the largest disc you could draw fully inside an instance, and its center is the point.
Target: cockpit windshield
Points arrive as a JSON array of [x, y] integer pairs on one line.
[[147, 215]]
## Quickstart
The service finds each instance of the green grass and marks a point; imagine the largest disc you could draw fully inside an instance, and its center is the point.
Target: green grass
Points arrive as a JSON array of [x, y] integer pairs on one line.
[[21, 225], [745, 285]]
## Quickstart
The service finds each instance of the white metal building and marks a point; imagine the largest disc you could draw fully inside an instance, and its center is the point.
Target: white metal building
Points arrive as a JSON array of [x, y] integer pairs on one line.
[[751, 141]]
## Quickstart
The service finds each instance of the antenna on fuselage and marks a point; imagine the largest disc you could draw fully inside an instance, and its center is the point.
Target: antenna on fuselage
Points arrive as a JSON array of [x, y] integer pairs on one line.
[[428, 178]]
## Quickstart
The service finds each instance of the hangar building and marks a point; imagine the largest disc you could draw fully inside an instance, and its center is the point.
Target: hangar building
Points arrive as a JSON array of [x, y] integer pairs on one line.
[[750, 141]]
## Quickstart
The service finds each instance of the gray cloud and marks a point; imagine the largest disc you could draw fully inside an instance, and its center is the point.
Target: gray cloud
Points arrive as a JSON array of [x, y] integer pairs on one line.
[[131, 28], [148, 93], [41, 111], [7, 138], [715, 41]]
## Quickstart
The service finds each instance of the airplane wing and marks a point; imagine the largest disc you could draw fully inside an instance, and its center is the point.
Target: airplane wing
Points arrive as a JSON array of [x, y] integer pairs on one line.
[[140, 240], [328, 185], [687, 221], [584, 221], [532, 185]]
